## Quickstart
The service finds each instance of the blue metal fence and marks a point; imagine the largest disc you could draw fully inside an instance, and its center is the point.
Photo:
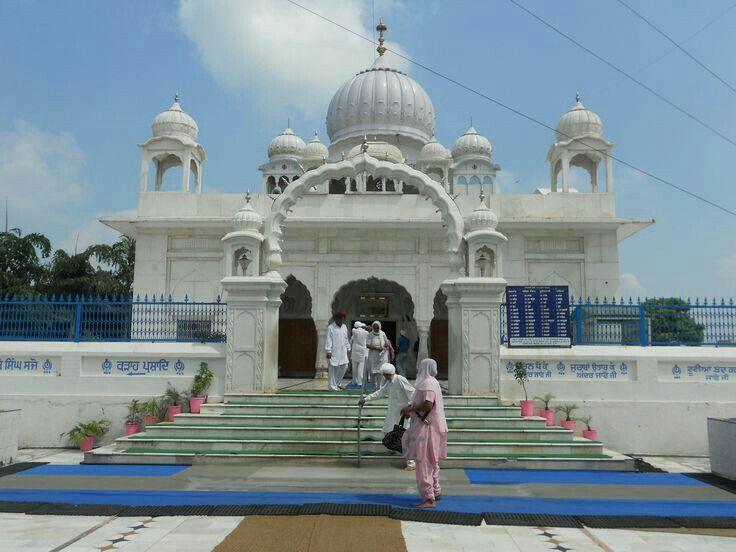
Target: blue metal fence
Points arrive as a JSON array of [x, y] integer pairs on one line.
[[649, 322], [79, 318]]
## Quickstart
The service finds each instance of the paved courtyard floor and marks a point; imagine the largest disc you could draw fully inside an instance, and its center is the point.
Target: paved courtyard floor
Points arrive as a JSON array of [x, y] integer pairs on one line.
[[575, 493]]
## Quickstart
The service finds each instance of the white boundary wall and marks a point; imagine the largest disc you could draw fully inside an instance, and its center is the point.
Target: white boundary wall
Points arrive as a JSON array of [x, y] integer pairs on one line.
[[57, 385], [648, 407], [644, 400]]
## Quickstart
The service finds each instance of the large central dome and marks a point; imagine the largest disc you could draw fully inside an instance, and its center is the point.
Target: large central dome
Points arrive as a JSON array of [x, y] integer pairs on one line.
[[380, 101]]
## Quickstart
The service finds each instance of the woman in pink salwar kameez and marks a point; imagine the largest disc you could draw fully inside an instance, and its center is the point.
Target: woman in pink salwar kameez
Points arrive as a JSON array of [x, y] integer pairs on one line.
[[425, 441]]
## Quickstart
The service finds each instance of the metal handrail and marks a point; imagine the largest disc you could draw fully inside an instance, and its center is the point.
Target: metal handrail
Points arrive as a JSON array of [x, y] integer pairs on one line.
[[363, 388]]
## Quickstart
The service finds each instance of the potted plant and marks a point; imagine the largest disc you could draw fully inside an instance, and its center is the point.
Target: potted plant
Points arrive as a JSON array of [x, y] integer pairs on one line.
[[200, 386], [133, 419], [520, 375], [173, 400], [84, 434], [152, 410], [567, 410], [588, 433], [547, 412]]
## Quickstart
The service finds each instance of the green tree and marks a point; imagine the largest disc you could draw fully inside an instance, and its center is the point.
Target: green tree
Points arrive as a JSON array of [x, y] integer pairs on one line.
[[671, 321], [21, 269], [120, 259]]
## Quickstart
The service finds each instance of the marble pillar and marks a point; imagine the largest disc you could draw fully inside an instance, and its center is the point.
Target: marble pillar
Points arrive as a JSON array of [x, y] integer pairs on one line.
[[320, 371]]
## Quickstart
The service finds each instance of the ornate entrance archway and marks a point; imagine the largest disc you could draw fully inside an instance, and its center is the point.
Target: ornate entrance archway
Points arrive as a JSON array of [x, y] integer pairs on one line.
[[297, 334]]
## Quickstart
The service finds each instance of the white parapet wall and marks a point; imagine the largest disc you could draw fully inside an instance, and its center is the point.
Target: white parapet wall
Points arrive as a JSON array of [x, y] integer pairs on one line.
[[9, 426], [644, 400], [58, 384]]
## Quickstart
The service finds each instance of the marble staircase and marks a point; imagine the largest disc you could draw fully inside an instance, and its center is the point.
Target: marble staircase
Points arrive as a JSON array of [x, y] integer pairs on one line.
[[321, 427]]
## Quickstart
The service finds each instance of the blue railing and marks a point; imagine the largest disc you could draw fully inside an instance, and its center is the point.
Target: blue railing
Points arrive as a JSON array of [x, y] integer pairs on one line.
[[79, 318], [649, 322]]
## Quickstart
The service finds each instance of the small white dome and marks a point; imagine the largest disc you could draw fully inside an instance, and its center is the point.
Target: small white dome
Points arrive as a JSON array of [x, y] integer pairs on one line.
[[287, 143], [383, 151], [380, 100], [247, 218], [472, 144], [174, 122], [433, 151], [315, 150], [483, 218], [579, 121]]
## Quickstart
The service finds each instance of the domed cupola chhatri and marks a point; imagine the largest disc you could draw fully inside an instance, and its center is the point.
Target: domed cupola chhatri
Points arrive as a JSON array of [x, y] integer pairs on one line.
[[472, 166], [286, 144], [435, 160], [284, 161], [243, 243], [383, 104], [485, 243], [579, 143], [173, 144], [315, 153]]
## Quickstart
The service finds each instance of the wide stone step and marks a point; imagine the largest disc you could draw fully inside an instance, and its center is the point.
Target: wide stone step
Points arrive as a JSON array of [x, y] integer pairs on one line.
[[368, 420], [305, 409], [336, 446], [342, 398], [347, 433]]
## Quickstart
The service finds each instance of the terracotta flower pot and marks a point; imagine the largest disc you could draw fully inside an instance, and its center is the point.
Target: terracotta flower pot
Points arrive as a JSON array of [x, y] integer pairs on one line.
[[87, 444], [172, 411], [549, 414], [195, 404], [568, 424], [591, 434], [151, 420], [527, 408], [131, 429]]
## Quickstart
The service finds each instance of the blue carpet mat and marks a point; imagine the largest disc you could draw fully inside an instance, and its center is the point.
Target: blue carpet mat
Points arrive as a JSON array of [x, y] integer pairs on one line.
[[577, 477], [466, 504], [105, 470]]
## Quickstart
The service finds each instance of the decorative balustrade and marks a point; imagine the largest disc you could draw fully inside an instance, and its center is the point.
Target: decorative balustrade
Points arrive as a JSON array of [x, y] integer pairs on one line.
[[669, 321], [117, 318]]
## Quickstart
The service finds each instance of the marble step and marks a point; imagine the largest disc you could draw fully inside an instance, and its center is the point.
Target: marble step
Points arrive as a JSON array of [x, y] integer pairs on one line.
[[369, 420], [336, 446], [348, 433], [344, 398], [306, 409], [612, 461]]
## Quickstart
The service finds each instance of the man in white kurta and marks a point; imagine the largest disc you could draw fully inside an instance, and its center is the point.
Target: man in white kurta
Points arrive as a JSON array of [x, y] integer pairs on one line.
[[399, 392], [337, 348], [360, 352]]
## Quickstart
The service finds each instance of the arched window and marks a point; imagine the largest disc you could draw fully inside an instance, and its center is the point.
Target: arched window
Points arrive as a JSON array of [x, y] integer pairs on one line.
[[474, 181], [462, 181], [337, 186], [487, 181]]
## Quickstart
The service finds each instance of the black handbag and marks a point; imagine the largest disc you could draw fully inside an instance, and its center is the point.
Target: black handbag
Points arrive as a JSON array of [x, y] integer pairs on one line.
[[392, 440]]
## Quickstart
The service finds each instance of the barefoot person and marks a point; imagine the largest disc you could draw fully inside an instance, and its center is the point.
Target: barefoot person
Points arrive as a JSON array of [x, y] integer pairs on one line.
[[360, 352], [426, 439], [377, 352], [399, 391], [337, 349]]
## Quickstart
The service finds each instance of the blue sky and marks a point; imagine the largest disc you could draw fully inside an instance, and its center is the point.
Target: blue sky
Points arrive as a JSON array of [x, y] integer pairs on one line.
[[81, 82]]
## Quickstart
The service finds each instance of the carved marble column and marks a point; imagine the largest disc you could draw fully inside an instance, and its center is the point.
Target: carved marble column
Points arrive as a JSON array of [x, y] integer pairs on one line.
[[423, 334], [321, 367], [474, 341], [251, 359]]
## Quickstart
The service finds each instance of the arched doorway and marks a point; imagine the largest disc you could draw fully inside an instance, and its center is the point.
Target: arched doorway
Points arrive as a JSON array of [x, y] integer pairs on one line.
[[438, 336], [297, 333], [383, 300]]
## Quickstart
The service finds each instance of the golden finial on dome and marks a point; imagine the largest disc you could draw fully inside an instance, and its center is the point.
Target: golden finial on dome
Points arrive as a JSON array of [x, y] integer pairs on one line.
[[381, 28]]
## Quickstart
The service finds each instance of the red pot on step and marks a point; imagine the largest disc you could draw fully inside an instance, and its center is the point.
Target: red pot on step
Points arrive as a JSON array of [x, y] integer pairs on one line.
[[568, 424], [549, 414], [131, 429], [591, 434], [195, 404], [87, 444], [151, 420], [527, 408], [172, 411]]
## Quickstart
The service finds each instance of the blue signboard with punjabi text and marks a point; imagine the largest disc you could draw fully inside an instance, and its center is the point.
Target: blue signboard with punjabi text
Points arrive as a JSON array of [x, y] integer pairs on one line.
[[538, 316]]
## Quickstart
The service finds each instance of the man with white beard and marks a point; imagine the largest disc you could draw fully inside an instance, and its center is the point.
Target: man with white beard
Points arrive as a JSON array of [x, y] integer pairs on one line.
[[359, 352]]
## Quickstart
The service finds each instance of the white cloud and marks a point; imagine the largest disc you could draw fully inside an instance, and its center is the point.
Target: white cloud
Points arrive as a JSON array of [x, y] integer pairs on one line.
[[629, 286], [93, 232], [40, 173], [278, 52]]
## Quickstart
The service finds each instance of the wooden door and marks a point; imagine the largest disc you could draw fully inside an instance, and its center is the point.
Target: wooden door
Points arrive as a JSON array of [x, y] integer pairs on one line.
[[297, 348], [438, 346]]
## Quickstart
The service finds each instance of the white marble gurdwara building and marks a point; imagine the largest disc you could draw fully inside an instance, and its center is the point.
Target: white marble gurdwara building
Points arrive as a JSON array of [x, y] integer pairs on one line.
[[375, 222]]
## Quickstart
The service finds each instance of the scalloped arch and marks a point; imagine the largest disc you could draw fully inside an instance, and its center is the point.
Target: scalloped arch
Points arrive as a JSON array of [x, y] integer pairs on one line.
[[451, 216]]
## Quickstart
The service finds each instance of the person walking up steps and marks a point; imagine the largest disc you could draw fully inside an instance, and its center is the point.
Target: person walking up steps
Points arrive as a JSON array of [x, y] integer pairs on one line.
[[399, 391], [426, 439]]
